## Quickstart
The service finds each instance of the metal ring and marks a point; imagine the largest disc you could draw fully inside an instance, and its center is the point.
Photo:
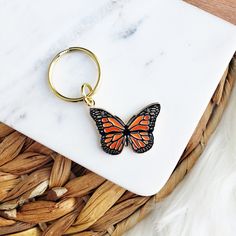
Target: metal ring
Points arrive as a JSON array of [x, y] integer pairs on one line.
[[87, 98], [83, 92], [54, 61]]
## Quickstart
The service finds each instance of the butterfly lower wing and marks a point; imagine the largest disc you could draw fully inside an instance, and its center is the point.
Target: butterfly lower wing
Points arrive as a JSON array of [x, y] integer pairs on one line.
[[141, 141], [111, 129], [141, 127], [113, 143]]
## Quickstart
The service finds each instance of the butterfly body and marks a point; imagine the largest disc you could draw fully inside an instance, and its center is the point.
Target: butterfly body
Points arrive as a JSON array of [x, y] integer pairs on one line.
[[115, 134], [126, 134]]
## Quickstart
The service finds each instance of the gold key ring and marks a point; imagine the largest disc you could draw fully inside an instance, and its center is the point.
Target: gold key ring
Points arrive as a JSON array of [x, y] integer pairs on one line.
[[85, 97]]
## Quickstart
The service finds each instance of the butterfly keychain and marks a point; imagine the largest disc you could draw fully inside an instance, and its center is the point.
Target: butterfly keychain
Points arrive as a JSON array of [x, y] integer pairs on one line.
[[115, 134]]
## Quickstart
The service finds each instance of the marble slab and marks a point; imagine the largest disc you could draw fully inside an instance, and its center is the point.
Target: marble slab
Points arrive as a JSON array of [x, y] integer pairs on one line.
[[150, 51]]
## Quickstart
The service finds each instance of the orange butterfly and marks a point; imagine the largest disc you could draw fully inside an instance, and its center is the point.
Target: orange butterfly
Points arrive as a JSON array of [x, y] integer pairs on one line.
[[115, 134]]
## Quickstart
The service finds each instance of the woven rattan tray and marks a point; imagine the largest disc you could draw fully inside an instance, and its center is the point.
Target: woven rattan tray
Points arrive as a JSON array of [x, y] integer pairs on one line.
[[44, 193]]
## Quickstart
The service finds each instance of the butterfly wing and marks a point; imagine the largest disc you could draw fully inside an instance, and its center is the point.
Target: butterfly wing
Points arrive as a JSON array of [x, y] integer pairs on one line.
[[111, 129], [141, 127]]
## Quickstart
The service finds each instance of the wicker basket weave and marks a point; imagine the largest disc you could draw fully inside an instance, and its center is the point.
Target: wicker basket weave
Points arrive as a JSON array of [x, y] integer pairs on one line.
[[44, 193]]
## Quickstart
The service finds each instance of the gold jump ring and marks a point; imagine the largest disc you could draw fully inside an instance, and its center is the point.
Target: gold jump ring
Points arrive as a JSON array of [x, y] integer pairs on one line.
[[87, 98]]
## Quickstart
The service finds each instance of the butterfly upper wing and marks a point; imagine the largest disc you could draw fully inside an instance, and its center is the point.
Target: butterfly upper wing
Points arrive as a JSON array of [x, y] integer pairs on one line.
[[111, 129], [141, 127]]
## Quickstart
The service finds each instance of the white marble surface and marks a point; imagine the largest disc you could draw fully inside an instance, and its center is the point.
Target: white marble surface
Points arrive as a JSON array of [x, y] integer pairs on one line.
[[165, 51]]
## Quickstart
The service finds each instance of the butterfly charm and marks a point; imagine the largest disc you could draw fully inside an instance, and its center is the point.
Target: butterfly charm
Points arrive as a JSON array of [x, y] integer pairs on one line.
[[138, 132]]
